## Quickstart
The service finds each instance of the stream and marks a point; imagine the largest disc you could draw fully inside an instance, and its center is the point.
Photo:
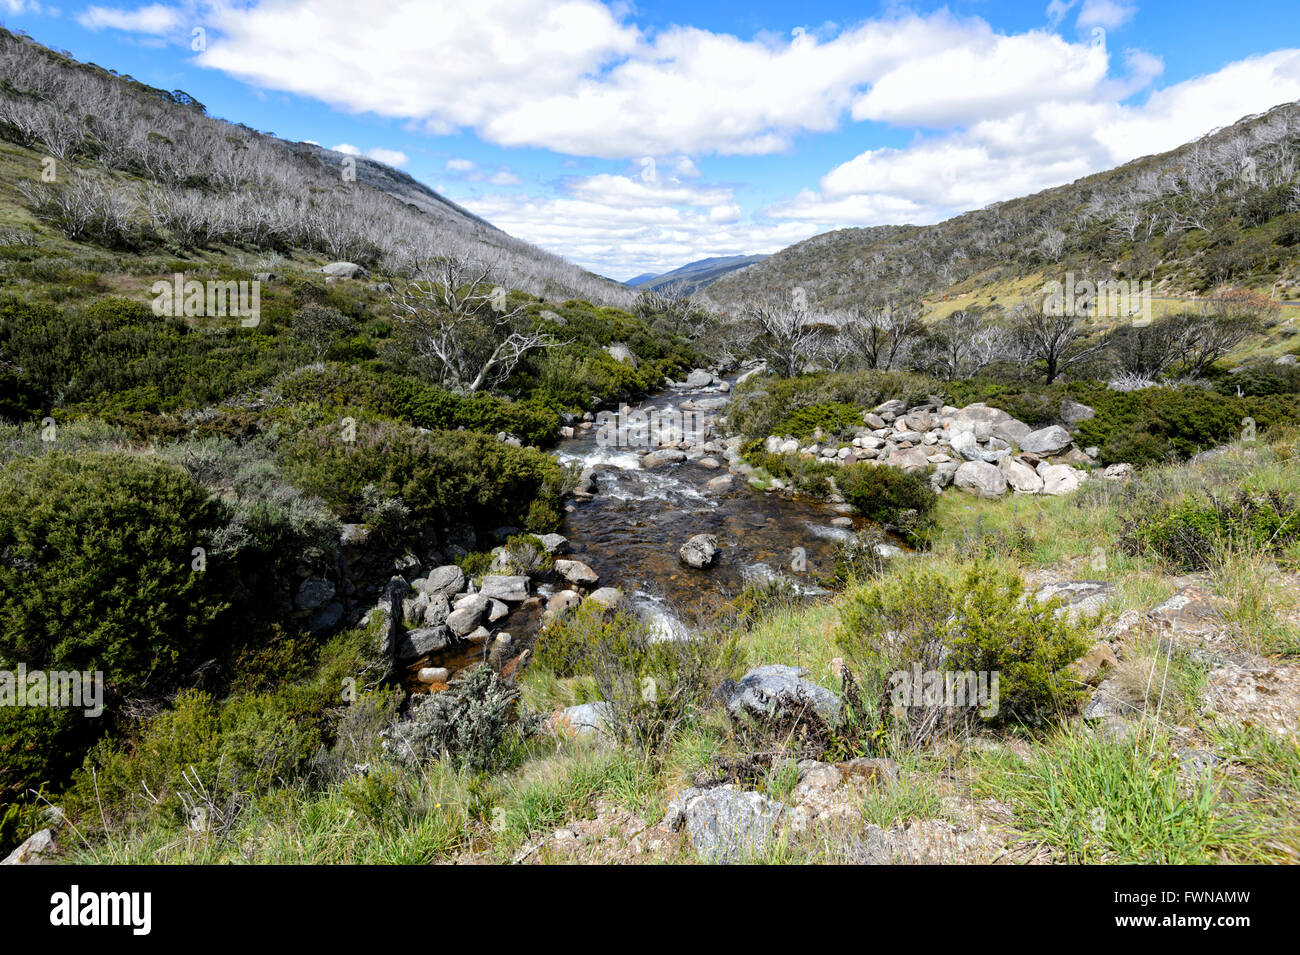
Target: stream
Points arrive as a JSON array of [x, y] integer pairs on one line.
[[631, 530]]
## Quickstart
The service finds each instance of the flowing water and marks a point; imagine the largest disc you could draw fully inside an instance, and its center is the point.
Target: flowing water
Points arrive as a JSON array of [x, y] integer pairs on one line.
[[630, 532]]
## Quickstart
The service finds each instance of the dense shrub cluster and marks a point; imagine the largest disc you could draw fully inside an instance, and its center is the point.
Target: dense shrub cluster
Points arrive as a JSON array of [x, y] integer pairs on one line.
[[442, 478], [97, 572], [890, 496]]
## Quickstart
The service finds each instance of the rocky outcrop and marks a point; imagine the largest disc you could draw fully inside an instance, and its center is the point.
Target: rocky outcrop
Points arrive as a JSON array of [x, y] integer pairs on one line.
[[945, 439], [725, 824], [981, 479]]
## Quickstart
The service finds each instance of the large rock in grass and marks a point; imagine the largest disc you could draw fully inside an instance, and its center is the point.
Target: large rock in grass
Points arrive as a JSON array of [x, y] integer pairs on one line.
[[1050, 440], [700, 551], [766, 688], [1021, 476], [725, 825], [344, 270], [980, 478], [1061, 479]]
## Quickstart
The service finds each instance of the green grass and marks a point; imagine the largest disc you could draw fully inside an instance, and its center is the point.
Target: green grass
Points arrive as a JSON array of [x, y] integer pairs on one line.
[[1095, 801]]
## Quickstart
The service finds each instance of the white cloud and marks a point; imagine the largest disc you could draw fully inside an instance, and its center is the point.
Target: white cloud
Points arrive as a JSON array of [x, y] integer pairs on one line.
[[155, 19], [1039, 147], [1108, 14], [390, 157], [622, 225], [585, 83], [459, 165]]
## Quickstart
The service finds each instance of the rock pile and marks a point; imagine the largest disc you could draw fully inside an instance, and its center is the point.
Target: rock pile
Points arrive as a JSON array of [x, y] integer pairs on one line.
[[977, 449]]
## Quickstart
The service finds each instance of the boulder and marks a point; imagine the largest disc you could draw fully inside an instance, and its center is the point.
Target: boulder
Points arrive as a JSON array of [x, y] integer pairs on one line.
[[1049, 440], [980, 478], [1072, 412], [512, 589], [992, 422], [1020, 476], [699, 378], [576, 572], [414, 644], [35, 851], [555, 543], [621, 354], [700, 551], [585, 719], [465, 619], [724, 824], [889, 410], [433, 674], [909, 459], [1061, 479], [611, 598], [563, 601], [663, 456], [344, 270], [762, 687], [446, 580], [313, 593]]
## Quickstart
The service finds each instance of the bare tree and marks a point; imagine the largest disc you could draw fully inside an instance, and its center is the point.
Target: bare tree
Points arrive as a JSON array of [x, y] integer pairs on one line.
[[458, 319], [786, 333], [962, 344], [1044, 334], [881, 334]]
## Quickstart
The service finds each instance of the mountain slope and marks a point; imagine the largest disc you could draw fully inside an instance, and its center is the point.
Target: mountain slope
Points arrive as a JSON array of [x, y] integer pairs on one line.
[[150, 165], [1223, 210]]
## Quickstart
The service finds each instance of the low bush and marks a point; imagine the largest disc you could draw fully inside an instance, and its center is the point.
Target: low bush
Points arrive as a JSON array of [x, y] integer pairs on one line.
[[890, 495], [443, 478], [833, 419], [475, 723], [919, 623], [1191, 532], [651, 687]]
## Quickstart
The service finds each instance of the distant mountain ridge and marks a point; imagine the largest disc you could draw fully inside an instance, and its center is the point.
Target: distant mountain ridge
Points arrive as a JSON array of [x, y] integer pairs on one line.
[[694, 276]]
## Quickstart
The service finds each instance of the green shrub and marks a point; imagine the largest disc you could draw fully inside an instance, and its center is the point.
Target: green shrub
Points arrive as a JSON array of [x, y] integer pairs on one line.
[[834, 419], [920, 621], [442, 477], [890, 495], [474, 723], [651, 687]]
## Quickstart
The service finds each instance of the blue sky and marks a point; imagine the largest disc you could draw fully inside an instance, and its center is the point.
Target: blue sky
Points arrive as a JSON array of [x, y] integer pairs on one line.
[[636, 137]]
